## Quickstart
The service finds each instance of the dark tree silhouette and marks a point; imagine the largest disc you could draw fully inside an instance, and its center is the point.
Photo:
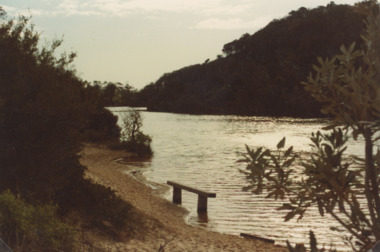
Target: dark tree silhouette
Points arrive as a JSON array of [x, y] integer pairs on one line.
[[260, 73], [45, 111]]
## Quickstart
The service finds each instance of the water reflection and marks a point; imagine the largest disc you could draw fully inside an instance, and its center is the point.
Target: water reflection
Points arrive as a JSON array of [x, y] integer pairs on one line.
[[202, 219], [201, 151]]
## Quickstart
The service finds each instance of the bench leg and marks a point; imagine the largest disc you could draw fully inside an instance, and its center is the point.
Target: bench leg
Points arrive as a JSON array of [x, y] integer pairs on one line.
[[177, 195], [202, 204]]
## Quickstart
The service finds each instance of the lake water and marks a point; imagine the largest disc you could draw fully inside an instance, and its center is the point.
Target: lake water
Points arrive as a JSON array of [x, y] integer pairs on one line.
[[202, 151]]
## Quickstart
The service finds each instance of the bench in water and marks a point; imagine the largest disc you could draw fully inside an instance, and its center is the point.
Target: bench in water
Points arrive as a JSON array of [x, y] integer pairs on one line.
[[202, 195]]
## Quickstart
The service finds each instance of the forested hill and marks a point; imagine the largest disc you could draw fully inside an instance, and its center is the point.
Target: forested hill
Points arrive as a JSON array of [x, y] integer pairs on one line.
[[260, 74]]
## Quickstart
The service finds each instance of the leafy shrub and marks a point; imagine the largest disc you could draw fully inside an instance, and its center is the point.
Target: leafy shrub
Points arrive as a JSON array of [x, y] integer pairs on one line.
[[44, 112], [132, 138], [102, 208], [41, 112], [101, 126], [33, 228]]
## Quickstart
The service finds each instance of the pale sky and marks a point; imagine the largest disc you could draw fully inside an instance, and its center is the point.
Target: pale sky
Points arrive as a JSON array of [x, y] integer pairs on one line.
[[137, 41]]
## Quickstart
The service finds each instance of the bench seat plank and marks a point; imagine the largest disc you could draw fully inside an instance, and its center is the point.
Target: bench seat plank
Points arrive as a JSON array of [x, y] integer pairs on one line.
[[191, 189]]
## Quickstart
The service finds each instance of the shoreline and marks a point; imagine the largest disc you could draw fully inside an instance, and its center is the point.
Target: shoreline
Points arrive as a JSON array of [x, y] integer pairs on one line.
[[164, 222]]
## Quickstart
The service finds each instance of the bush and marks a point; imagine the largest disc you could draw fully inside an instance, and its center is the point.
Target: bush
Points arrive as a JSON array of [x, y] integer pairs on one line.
[[45, 112], [132, 138], [101, 126], [33, 228], [41, 112], [102, 208]]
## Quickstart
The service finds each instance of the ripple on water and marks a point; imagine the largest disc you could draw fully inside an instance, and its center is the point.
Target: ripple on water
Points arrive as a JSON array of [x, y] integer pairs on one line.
[[201, 151]]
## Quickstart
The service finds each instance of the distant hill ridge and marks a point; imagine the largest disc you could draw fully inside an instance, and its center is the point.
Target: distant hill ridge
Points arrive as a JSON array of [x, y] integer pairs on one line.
[[260, 74]]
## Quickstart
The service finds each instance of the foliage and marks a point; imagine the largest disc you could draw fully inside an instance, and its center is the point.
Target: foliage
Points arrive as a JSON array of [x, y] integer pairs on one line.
[[103, 208], [260, 74], [348, 87], [132, 138], [40, 115], [100, 123], [45, 113], [33, 228], [101, 126], [116, 94], [313, 246]]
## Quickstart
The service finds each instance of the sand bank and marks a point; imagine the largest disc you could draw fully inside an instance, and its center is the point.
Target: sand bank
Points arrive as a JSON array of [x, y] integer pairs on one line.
[[165, 226]]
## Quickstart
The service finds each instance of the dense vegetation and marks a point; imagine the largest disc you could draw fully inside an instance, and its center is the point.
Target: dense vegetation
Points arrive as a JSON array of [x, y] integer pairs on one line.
[[45, 113], [348, 86], [259, 74], [132, 137], [116, 94], [33, 228]]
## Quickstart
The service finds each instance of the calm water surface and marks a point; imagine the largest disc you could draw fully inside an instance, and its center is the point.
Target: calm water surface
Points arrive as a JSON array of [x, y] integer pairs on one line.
[[202, 151]]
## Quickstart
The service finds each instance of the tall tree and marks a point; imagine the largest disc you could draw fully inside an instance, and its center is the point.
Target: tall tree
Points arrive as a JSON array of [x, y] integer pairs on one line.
[[40, 114]]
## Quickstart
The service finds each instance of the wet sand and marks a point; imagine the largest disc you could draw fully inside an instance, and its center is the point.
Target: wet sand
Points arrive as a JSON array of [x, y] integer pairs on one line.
[[164, 225]]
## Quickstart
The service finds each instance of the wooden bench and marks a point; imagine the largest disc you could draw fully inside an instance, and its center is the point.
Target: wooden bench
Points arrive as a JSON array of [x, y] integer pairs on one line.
[[202, 195]]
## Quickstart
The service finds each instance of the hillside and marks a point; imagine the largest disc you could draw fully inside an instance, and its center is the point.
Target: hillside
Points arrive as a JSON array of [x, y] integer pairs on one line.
[[259, 74]]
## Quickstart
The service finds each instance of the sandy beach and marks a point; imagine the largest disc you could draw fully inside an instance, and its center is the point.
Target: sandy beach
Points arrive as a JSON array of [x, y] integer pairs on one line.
[[164, 225]]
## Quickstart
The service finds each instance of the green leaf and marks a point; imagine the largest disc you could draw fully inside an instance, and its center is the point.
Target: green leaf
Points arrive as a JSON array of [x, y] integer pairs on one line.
[[352, 47], [343, 49], [321, 209], [290, 215], [313, 242], [286, 206], [290, 248], [243, 160], [288, 152], [266, 153], [288, 162], [328, 150], [281, 144]]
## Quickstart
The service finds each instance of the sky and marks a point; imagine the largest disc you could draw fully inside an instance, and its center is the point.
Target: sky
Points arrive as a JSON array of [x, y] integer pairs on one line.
[[137, 41]]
